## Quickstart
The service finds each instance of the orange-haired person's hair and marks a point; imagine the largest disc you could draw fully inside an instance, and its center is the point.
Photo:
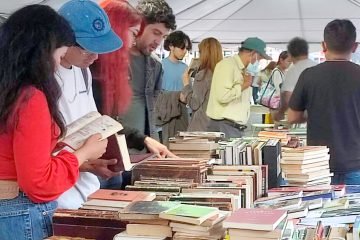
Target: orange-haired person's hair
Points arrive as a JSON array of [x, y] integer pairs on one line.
[[112, 68], [210, 53]]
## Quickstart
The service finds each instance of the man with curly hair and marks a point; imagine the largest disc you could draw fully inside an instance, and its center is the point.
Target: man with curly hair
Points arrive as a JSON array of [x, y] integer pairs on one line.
[[177, 43], [145, 70]]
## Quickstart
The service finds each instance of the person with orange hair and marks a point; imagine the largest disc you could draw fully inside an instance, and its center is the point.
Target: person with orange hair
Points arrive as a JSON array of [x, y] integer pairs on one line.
[[114, 91], [197, 95]]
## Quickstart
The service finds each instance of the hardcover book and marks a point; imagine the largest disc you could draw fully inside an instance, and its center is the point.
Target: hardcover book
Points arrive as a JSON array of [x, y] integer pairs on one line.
[[249, 219], [189, 214]]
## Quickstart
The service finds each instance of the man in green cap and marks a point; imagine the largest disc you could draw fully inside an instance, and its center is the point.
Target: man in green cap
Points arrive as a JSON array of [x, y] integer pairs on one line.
[[230, 93]]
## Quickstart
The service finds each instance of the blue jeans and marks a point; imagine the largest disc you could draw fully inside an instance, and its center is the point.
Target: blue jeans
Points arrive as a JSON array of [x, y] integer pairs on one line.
[[21, 219], [350, 178]]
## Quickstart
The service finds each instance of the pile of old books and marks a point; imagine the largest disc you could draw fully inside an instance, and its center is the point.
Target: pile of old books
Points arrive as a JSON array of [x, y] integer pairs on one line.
[[195, 144], [143, 219], [195, 222], [256, 224], [86, 224], [164, 188], [162, 219], [185, 168], [225, 195], [283, 136], [115, 200], [252, 152], [306, 166]]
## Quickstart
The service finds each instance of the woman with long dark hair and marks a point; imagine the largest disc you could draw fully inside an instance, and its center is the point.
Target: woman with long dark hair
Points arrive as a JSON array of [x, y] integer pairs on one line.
[[32, 176]]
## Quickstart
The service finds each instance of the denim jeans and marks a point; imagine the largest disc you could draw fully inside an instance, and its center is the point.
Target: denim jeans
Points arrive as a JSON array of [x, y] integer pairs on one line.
[[350, 178], [21, 219]]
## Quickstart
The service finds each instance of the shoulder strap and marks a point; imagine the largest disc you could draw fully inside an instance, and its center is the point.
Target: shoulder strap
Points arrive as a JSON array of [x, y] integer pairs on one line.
[[86, 78], [272, 74]]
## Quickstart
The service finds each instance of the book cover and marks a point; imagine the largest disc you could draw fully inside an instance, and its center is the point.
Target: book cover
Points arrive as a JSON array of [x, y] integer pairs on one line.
[[121, 195], [189, 213], [249, 219], [149, 207]]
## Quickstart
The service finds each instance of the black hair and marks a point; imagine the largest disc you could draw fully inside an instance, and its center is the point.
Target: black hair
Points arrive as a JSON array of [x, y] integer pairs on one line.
[[157, 11], [298, 47], [340, 35], [283, 55], [29, 38], [177, 39]]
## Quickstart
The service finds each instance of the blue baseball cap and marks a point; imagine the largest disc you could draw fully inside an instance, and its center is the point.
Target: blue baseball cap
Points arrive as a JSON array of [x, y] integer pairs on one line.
[[91, 26]]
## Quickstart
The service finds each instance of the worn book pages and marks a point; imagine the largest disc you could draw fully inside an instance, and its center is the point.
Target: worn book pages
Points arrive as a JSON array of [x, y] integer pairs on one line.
[[80, 130]]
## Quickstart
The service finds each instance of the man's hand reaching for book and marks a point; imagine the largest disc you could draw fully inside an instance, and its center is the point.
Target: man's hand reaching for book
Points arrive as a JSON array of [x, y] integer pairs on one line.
[[157, 148], [99, 167]]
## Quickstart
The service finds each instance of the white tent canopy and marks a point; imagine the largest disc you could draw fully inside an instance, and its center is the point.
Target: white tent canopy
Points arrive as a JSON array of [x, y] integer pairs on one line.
[[231, 21]]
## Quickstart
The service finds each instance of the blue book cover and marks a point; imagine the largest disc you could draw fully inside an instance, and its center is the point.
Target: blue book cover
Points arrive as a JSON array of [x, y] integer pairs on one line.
[[352, 189], [325, 194]]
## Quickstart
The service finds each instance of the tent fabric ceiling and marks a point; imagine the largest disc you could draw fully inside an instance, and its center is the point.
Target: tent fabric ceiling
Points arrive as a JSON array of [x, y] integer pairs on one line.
[[231, 21]]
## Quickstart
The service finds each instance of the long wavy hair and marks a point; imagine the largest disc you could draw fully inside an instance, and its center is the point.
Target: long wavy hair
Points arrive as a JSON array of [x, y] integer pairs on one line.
[[210, 53], [113, 68], [29, 39]]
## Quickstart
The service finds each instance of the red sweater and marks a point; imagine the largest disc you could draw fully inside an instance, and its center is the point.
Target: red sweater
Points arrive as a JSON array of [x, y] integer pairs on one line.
[[26, 152]]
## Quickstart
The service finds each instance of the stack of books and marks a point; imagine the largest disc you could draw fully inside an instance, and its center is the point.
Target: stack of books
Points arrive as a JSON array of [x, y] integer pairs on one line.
[[115, 200], [256, 224], [283, 136], [195, 222], [186, 168], [306, 166], [240, 191], [222, 201], [86, 224], [164, 188], [195, 144], [144, 220]]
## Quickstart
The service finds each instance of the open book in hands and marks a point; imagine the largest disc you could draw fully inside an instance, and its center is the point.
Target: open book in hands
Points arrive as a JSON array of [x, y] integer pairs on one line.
[[80, 130]]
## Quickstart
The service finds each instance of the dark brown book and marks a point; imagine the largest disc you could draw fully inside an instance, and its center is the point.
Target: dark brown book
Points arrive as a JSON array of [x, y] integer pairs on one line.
[[89, 224]]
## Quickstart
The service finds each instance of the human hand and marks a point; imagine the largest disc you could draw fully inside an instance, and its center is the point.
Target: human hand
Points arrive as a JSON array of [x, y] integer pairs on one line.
[[186, 77], [182, 98], [99, 167], [247, 81], [157, 148], [92, 149]]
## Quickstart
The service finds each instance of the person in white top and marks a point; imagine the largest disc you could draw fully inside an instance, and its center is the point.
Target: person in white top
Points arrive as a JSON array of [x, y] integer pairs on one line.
[[93, 36], [298, 50], [77, 97], [279, 71]]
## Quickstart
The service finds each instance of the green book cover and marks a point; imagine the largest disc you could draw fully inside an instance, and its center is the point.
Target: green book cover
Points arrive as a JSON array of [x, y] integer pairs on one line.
[[190, 211]]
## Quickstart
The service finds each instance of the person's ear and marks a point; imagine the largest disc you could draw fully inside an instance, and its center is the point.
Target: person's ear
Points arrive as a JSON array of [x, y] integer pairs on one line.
[[171, 47], [324, 47], [355, 46]]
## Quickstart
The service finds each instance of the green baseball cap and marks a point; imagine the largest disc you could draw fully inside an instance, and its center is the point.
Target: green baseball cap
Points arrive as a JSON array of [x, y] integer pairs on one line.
[[257, 45]]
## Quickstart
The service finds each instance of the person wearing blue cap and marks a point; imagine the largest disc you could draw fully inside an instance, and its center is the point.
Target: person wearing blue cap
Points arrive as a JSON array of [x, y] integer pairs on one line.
[[94, 36], [229, 101]]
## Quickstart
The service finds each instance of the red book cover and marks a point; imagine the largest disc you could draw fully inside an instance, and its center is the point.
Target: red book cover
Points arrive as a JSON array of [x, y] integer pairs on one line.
[[115, 195], [255, 219]]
